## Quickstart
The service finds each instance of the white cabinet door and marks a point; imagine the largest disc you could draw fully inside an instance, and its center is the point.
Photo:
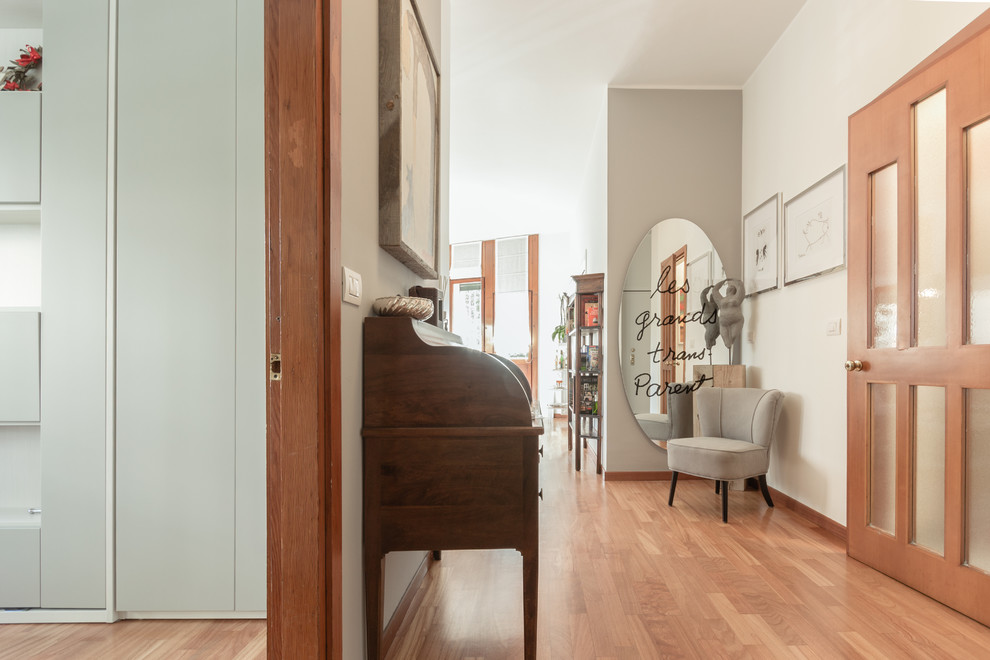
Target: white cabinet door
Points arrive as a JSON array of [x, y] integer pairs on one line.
[[20, 558], [175, 306], [190, 329], [74, 295], [20, 386]]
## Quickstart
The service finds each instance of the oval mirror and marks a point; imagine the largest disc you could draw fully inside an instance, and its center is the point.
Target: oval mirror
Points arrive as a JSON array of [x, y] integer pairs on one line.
[[665, 327]]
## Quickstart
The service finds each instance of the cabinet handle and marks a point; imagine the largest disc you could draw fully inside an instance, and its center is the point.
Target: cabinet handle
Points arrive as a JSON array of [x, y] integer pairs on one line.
[[541, 450], [540, 493]]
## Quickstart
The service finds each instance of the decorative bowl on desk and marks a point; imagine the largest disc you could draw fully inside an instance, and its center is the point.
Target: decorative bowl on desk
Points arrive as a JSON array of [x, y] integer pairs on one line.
[[408, 306]]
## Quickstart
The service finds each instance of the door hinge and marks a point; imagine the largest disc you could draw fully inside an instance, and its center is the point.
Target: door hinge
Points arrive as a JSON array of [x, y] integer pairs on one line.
[[275, 367]]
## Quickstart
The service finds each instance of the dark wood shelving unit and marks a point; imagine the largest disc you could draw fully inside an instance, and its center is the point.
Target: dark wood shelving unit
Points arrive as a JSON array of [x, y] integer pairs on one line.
[[586, 368]]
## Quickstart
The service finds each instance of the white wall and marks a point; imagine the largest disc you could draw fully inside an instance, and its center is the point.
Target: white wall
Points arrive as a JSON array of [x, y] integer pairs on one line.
[[20, 265], [555, 253], [589, 247], [382, 275], [834, 58]]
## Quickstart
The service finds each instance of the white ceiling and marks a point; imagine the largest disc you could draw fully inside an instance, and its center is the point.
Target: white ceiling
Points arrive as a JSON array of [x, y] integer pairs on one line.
[[528, 82]]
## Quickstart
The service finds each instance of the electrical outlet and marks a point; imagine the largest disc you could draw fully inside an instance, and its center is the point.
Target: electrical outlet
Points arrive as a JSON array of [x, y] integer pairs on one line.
[[352, 286]]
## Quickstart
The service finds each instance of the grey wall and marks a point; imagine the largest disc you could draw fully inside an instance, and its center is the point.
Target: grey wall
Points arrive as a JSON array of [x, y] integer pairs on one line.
[[671, 154], [382, 275]]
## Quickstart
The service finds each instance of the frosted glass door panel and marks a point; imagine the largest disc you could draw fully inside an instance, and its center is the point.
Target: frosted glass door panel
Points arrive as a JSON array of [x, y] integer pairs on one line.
[[977, 477], [465, 261], [930, 221], [978, 231], [884, 258], [929, 468], [883, 456]]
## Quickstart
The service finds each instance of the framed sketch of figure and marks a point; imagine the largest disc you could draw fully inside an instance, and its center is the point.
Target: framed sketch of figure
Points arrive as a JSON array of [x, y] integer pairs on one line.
[[760, 248]]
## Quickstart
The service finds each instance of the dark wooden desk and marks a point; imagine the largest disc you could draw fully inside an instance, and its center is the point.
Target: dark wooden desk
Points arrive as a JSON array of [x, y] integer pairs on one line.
[[451, 457]]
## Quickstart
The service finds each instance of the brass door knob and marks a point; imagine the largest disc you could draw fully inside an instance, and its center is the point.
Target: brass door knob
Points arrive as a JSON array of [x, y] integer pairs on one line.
[[854, 365]]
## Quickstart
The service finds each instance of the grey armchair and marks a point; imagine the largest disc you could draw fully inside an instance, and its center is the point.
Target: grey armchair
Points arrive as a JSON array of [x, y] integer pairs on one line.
[[677, 423], [737, 427]]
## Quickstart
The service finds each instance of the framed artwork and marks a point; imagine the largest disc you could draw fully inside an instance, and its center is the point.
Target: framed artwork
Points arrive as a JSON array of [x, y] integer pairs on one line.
[[760, 246], [699, 276], [409, 138], [815, 229]]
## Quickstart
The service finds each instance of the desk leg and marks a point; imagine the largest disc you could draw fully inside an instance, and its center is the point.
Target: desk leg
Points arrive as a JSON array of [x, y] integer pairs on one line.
[[531, 580], [373, 590]]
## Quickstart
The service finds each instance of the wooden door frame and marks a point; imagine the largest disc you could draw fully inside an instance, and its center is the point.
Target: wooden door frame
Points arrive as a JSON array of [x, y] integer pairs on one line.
[[669, 308], [303, 296]]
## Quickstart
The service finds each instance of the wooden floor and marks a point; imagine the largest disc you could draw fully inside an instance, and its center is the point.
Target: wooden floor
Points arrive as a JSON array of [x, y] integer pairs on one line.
[[130, 640], [622, 575]]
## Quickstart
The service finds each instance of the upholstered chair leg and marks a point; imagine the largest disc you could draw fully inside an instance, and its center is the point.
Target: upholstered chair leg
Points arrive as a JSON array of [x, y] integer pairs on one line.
[[725, 501], [766, 491], [717, 484], [673, 485]]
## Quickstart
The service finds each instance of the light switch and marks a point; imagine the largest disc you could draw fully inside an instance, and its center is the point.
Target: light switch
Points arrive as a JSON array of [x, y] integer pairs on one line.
[[352, 286], [833, 327]]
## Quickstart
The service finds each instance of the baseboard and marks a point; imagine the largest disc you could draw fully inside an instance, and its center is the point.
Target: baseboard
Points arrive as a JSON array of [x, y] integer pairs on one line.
[[835, 529], [191, 614], [780, 499], [55, 616], [410, 600]]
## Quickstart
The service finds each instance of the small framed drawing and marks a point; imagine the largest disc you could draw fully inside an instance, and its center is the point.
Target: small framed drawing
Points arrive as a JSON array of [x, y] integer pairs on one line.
[[408, 138], [699, 276], [760, 248], [815, 229]]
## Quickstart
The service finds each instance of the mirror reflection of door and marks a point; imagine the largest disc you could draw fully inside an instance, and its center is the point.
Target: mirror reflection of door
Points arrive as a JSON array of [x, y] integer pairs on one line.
[[673, 303], [494, 289]]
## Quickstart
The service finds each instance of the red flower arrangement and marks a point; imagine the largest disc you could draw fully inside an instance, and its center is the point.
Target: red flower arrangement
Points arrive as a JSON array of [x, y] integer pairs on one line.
[[15, 78]]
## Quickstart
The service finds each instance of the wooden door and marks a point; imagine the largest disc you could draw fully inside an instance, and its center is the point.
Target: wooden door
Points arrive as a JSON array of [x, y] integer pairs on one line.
[[515, 309], [919, 337], [672, 302]]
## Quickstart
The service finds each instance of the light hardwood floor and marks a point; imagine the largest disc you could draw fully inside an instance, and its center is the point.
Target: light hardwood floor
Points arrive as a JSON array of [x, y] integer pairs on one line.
[[621, 576]]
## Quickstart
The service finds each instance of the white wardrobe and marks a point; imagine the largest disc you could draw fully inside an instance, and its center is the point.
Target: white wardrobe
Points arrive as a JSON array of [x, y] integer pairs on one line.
[[153, 373]]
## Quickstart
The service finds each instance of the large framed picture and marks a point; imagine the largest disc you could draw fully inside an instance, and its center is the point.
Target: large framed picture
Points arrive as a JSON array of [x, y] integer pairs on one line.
[[409, 138], [760, 246], [815, 229]]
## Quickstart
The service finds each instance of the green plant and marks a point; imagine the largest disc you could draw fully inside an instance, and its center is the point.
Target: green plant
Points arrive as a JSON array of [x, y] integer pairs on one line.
[[559, 334]]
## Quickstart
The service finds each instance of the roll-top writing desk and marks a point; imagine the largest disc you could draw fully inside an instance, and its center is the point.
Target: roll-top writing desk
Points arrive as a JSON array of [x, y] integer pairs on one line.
[[451, 457]]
